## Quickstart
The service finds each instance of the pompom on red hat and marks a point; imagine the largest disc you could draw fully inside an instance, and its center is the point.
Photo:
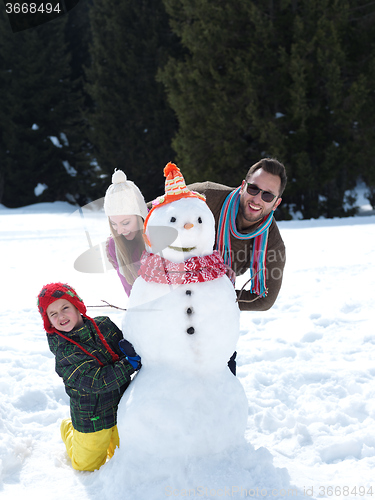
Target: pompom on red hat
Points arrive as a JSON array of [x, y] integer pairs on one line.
[[55, 291]]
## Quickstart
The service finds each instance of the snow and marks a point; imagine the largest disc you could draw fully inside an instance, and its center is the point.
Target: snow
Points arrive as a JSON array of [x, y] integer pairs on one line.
[[64, 139], [70, 170], [306, 365], [40, 188], [55, 141], [362, 202]]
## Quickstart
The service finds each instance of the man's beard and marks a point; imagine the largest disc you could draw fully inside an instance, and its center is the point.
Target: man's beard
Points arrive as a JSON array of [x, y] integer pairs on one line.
[[252, 218]]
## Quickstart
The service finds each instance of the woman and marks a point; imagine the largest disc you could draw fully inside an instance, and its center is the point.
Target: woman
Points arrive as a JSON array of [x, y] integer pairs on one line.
[[126, 210]]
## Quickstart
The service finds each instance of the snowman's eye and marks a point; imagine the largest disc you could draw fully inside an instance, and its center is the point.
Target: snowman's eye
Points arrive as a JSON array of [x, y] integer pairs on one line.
[[199, 220], [173, 219]]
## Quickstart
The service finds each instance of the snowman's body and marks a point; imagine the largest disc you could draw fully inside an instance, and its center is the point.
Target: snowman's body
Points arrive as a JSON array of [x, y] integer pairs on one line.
[[184, 401]]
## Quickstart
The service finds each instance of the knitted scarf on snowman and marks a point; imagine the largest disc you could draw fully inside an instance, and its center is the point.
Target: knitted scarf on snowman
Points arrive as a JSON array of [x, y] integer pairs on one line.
[[197, 269], [227, 227]]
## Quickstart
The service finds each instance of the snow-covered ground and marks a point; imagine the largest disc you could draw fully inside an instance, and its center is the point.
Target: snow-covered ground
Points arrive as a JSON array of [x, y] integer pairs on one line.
[[307, 365]]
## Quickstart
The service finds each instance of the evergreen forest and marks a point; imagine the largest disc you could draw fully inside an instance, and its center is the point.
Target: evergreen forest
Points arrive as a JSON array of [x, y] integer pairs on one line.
[[212, 85]]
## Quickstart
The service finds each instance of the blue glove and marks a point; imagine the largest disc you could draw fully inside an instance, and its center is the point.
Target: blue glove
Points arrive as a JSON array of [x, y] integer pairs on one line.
[[127, 348], [135, 361]]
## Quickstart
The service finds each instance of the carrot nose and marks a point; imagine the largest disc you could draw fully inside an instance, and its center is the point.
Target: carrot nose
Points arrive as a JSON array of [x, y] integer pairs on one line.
[[188, 225]]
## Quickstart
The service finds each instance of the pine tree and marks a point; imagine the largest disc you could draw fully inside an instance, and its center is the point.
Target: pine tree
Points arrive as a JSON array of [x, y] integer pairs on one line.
[[78, 38], [325, 106], [273, 78], [361, 49], [217, 88], [131, 123], [38, 117]]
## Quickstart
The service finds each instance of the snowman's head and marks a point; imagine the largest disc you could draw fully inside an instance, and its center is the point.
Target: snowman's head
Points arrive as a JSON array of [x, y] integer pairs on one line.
[[185, 227], [180, 225]]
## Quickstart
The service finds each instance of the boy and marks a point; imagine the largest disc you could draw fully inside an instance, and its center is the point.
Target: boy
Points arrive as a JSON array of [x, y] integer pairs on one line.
[[95, 372]]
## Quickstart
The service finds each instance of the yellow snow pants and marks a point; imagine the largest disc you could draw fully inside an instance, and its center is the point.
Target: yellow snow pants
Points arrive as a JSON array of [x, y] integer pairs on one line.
[[89, 451]]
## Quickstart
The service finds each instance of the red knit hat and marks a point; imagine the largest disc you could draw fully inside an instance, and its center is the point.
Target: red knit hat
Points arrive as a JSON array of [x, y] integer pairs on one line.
[[55, 291]]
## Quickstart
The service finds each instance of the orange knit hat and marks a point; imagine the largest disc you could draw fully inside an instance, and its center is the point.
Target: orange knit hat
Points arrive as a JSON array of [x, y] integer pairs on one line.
[[175, 189]]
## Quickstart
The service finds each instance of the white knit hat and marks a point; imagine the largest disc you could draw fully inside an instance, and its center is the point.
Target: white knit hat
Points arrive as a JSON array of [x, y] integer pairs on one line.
[[123, 197]]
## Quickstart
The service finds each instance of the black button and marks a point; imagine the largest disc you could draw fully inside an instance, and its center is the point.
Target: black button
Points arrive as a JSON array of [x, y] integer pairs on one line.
[[190, 330], [188, 292], [189, 310]]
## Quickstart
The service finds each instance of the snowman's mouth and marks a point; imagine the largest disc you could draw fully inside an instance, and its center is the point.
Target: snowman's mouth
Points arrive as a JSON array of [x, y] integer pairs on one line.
[[182, 249]]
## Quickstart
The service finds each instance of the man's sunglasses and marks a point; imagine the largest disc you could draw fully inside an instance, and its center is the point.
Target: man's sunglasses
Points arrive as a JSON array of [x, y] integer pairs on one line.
[[253, 190]]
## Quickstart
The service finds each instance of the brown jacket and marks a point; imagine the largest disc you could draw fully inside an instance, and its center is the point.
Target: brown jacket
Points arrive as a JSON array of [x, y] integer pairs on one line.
[[241, 250]]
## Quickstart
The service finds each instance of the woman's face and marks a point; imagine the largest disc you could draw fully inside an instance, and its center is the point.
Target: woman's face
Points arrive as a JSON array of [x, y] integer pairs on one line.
[[125, 225]]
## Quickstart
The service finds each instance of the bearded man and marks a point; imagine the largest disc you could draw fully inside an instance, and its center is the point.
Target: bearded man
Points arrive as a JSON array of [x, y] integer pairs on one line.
[[247, 235]]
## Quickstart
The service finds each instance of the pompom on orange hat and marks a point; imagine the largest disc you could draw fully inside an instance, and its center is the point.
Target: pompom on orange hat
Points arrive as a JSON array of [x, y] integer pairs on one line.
[[175, 189]]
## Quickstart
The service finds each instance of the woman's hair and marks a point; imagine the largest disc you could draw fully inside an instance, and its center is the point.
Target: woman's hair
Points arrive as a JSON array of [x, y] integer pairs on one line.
[[124, 251]]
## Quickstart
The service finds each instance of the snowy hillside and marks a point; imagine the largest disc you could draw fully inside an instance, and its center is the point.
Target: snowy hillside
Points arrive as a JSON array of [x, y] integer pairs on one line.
[[307, 365]]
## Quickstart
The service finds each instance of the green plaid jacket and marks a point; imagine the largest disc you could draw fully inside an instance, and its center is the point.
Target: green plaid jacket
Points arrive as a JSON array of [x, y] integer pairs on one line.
[[94, 391]]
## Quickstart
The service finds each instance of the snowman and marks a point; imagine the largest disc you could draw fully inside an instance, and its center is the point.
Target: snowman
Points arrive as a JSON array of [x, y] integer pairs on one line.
[[183, 320]]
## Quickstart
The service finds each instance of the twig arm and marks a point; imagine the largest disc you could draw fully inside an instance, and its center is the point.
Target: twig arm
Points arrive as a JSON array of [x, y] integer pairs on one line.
[[110, 305]]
